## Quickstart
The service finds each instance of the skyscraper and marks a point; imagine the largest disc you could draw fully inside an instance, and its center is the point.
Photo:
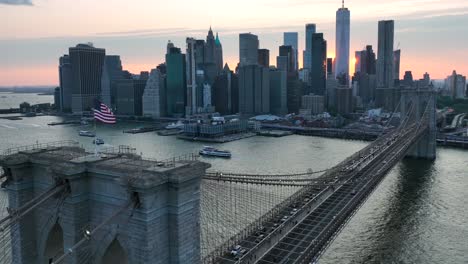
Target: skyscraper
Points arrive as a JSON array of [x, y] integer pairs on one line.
[[385, 75], [396, 65], [175, 83], [254, 90], [154, 96], [292, 39], [112, 71], [288, 52], [342, 45], [310, 30], [218, 54], [264, 57], [319, 64], [226, 92], [278, 92], [248, 49], [66, 83], [86, 64]]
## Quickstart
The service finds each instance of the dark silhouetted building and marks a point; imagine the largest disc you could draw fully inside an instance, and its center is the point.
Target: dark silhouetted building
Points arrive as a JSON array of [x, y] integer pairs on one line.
[[319, 64], [66, 83], [87, 64], [175, 83], [254, 90], [310, 30], [112, 71], [385, 74], [226, 92], [248, 49], [288, 52], [292, 39], [278, 92], [264, 57]]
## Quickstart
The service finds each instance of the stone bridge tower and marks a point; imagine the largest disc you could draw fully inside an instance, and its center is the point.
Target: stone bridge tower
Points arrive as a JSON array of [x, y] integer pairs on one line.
[[159, 205], [422, 99]]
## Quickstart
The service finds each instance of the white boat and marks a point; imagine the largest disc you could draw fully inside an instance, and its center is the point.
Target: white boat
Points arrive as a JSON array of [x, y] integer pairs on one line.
[[98, 141], [178, 125], [85, 133], [213, 152]]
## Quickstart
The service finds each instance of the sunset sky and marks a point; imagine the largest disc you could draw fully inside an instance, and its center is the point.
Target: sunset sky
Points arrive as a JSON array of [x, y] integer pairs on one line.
[[433, 34]]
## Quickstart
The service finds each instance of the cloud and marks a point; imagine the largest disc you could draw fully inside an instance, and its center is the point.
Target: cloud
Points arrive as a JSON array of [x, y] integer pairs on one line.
[[16, 2]]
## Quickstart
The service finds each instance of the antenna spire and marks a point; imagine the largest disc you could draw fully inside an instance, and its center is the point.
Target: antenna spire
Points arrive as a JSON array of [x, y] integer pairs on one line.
[[342, 3]]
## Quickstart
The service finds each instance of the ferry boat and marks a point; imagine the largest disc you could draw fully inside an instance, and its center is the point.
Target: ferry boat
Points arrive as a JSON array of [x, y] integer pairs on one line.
[[178, 125], [210, 151], [85, 133], [98, 141]]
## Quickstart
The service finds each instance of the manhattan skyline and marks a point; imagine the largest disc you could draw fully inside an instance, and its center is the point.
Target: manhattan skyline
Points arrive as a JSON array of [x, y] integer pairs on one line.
[[430, 33]]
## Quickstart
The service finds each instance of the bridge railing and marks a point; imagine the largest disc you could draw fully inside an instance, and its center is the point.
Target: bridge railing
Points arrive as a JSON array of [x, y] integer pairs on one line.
[[39, 146]]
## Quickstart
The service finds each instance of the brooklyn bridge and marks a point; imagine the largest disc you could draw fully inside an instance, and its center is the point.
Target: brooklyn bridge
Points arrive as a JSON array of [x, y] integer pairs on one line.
[[66, 205]]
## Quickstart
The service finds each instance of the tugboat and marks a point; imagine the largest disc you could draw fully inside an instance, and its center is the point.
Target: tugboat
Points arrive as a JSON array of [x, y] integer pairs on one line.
[[85, 133], [213, 152], [98, 141]]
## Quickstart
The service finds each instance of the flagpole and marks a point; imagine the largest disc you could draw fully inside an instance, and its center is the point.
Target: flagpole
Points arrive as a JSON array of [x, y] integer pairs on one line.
[[95, 139]]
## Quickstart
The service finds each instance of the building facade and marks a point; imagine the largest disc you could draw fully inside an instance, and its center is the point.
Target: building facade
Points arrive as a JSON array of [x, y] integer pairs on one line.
[[175, 83], [154, 96], [310, 29], [86, 65], [342, 45], [248, 49], [254, 90], [66, 83], [292, 39], [278, 92], [319, 64], [385, 74]]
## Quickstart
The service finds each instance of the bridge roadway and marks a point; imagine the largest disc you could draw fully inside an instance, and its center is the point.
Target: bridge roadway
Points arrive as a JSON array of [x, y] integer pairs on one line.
[[315, 220]]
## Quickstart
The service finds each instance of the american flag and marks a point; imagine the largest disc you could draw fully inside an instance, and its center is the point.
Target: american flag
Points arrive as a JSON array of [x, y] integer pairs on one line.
[[104, 114]]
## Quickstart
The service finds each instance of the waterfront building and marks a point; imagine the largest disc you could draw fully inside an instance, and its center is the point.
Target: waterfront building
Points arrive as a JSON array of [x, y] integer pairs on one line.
[[296, 89], [195, 55], [314, 103], [254, 90], [112, 70], [342, 45], [57, 98], [86, 65], [292, 39], [332, 85], [66, 83], [226, 92], [154, 96], [278, 92], [385, 69], [248, 49], [264, 57], [319, 64], [344, 100], [129, 96], [175, 83]]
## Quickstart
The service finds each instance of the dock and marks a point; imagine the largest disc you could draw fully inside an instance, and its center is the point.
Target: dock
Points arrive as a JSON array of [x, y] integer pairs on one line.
[[144, 129], [222, 139], [69, 122], [169, 132], [274, 133]]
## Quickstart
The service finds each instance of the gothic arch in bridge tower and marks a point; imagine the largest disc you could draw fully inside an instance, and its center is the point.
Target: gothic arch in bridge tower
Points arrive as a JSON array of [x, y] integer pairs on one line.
[[53, 248], [115, 254]]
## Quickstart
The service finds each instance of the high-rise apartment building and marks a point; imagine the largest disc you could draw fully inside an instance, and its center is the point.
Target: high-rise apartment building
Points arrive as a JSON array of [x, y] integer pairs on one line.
[[385, 74], [292, 39], [342, 44], [248, 49], [86, 64]]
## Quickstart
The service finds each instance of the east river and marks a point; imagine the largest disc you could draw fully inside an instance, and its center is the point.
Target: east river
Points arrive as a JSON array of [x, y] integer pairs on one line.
[[419, 214]]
